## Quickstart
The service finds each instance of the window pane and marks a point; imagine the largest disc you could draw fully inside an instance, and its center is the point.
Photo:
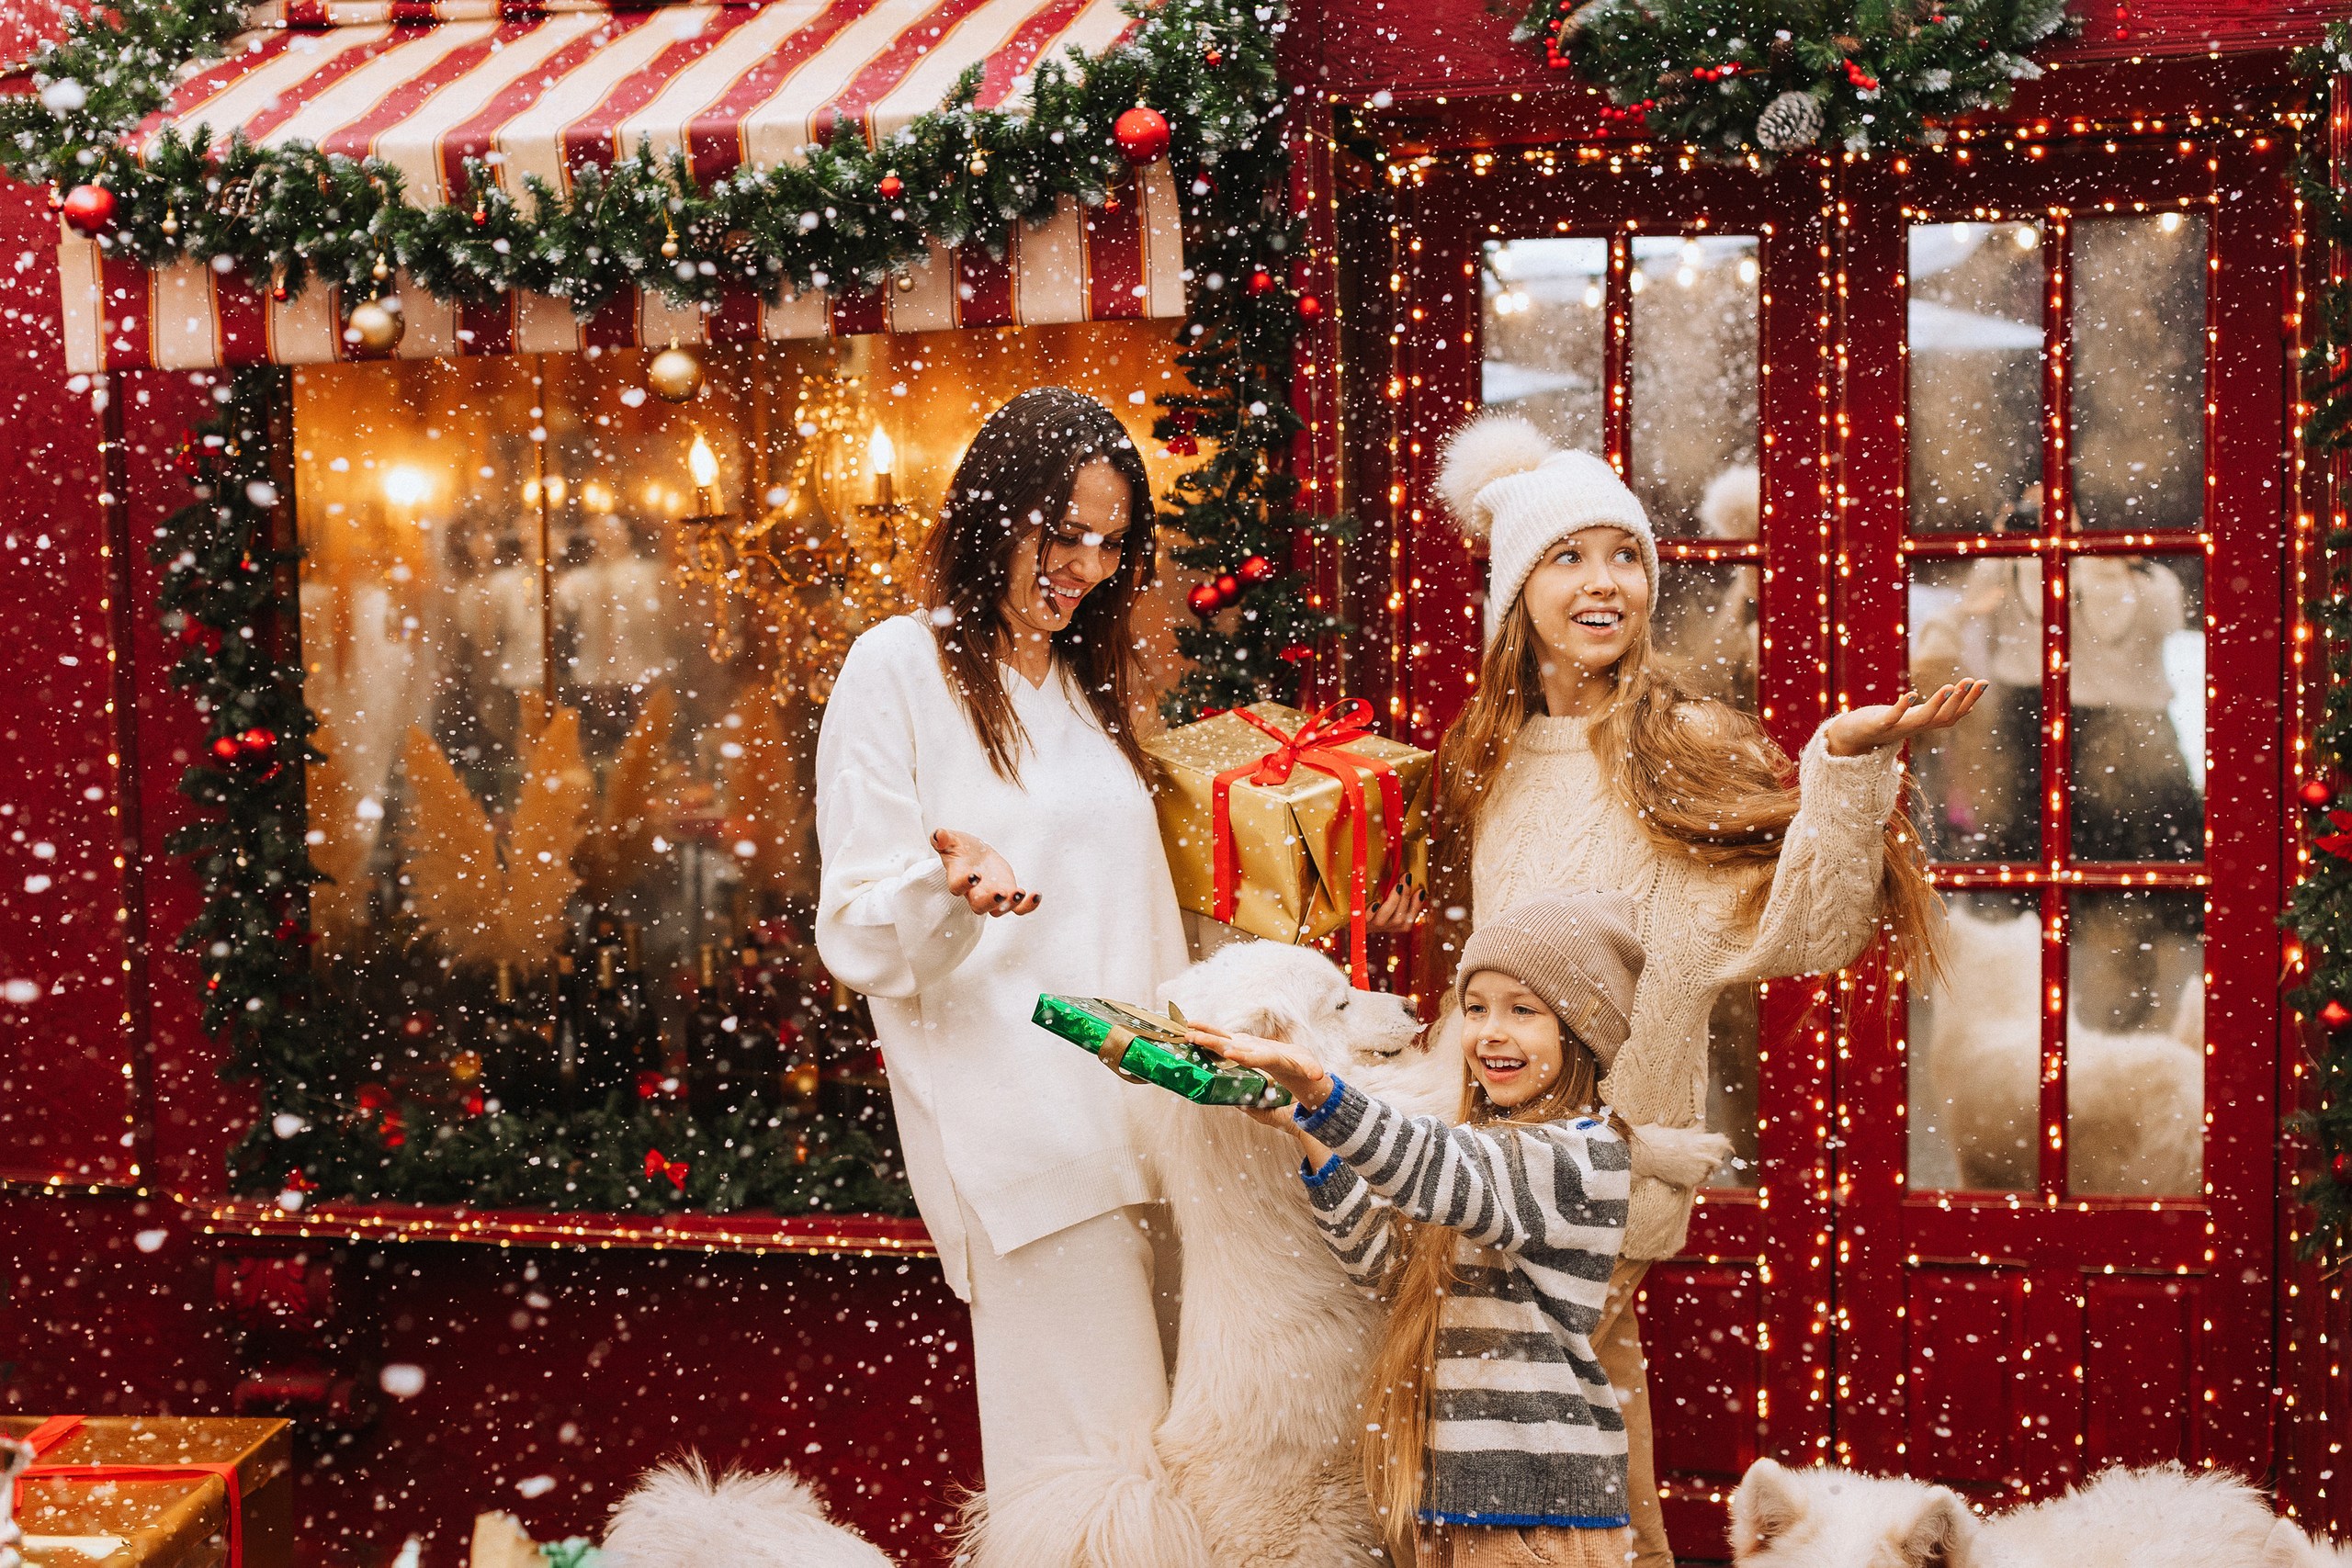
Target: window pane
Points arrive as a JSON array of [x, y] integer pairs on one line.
[[1976, 377], [2136, 685], [1692, 445], [1547, 332], [1975, 1050], [1981, 780], [2139, 372], [1705, 625], [2135, 1041], [1732, 1037]]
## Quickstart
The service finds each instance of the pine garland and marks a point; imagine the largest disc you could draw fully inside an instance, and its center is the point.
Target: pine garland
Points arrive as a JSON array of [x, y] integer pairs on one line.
[[1736, 82], [2319, 911], [295, 217]]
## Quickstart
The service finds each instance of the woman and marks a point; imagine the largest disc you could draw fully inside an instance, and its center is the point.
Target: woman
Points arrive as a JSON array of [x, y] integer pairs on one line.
[[1581, 761], [987, 834]]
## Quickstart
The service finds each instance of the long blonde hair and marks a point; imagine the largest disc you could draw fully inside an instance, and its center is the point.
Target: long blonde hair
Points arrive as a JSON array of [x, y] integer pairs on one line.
[[1421, 1274], [1719, 791]]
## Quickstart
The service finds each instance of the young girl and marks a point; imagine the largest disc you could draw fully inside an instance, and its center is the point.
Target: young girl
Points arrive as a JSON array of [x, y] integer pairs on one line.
[[1583, 761], [1492, 1437]]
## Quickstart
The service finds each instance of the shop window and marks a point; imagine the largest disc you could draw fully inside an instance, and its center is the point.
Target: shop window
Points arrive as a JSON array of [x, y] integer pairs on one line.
[[568, 645]]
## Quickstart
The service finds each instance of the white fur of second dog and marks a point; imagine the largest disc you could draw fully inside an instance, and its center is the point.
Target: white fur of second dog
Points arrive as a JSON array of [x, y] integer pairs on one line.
[[681, 1516], [2289, 1547], [2164, 1516], [1254, 1465]]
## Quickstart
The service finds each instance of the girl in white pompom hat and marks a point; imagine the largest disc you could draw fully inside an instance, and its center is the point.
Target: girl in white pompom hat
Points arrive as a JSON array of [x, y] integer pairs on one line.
[[1582, 760]]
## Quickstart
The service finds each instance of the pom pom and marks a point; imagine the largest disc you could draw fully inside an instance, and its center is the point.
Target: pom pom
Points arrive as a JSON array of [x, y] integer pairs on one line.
[[1729, 507], [1491, 447]]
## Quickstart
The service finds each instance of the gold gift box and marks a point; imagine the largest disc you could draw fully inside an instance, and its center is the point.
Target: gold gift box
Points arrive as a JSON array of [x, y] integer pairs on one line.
[[172, 1519], [1293, 871]]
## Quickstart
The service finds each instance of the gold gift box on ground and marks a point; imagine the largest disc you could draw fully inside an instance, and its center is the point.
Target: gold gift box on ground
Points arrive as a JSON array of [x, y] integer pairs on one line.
[[1293, 873], [168, 1517]]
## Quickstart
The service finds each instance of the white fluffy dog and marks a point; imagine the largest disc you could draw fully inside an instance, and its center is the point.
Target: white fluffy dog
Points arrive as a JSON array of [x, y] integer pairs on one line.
[[680, 1517], [2289, 1547], [1255, 1462], [2164, 1516]]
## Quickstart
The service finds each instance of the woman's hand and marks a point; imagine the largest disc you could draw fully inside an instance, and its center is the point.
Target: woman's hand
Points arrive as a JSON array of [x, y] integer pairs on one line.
[[979, 876], [1286, 1065], [1890, 723], [1398, 913]]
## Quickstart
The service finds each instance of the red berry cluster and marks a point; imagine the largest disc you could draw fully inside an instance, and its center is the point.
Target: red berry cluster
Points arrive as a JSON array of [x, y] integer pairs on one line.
[[1209, 598], [1860, 78], [1715, 73], [1632, 115], [247, 747]]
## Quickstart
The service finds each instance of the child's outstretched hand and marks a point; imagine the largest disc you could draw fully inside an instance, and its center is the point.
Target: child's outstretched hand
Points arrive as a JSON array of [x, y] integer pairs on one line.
[[1286, 1065]]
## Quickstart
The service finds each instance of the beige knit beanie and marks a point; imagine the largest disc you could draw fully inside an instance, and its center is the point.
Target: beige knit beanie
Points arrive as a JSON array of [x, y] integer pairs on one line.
[[1576, 951], [1505, 482]]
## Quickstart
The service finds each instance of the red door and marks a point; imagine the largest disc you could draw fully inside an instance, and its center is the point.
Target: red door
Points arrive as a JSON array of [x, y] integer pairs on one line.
[[1841, 477]]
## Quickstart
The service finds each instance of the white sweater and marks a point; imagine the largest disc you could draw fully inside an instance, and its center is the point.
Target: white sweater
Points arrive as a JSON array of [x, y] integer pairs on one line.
[[1025, 1127], [1554, 823]]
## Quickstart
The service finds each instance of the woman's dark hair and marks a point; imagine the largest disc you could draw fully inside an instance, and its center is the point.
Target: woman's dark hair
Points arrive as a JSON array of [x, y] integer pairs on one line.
[[1016, 478]]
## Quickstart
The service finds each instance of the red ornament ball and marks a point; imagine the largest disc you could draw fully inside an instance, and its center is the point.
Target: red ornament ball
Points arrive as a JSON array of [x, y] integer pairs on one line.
[[257, 742], [2340, 1168], [1229, 587], [1213, 58], [1296, 653], [1141, 134], [224, 748], [1261, 282], [1204, 600], [1309, 306], [2335, 1015], [891, 187], [89, 209], [2317, 794], [1255, 568]]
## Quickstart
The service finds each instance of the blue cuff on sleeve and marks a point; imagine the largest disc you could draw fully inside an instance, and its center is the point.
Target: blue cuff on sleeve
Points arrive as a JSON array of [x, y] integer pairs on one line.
[[1309, 1121], [1321, 1174]]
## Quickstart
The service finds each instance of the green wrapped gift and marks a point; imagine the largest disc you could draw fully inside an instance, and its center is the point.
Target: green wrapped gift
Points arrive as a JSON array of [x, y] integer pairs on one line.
[[1153, 1048]]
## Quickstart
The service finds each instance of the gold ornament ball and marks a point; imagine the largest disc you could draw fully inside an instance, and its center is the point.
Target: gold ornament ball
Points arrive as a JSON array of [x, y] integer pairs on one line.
[[979, 165], [675, 376], [374, 326]]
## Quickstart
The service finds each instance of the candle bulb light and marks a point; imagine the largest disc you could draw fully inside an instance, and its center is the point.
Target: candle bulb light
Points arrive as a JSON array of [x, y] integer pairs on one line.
[[703, 463], [882, 457]]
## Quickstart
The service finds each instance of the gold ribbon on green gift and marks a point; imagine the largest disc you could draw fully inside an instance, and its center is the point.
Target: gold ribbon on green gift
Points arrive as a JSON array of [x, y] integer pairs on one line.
[[1171, 1030]]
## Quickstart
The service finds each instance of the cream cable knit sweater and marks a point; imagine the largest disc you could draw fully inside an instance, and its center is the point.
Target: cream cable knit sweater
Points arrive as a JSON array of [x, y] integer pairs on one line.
[[1553, 824]]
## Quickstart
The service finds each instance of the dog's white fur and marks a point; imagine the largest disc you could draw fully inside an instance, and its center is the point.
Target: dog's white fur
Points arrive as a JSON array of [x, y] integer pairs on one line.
[[2289, 1547], [2136, 1100], [681, 1516], [1254, 1465], [2164, 1516]]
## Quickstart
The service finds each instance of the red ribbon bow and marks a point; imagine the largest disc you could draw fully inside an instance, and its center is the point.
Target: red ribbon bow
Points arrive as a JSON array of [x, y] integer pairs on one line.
[[1320, 743], [675, 1170], [57, 1428]]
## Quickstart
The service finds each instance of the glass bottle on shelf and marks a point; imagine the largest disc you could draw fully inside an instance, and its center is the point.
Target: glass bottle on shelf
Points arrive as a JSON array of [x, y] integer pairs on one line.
[[607, 1050], [564, 998], [711, 1037], [515, 1063], [758, 1023]]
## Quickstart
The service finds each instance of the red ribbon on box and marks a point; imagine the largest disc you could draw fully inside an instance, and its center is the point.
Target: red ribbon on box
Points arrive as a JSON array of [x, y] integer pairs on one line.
[[57, 1428], [1321, 744]]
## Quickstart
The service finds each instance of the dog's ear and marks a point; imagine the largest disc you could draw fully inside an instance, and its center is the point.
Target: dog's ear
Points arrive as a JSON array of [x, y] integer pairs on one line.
[[2288, 1547], [1768, 1506], [1938, 1537]]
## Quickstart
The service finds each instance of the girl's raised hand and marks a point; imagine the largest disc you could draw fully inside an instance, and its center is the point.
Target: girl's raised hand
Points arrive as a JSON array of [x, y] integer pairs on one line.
[[1286, 1065], [1398, 913], [1890, 723], [979, 876]]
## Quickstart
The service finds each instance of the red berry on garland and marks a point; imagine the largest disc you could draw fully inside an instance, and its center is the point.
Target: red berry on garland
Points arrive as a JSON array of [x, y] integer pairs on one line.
[[2317, 794], [1229, 587], [891, 187], [1204, 600], [1261, 282], [2335, 1015], [1141, 134], [1309, 306], [89, 211], [1255, 568]]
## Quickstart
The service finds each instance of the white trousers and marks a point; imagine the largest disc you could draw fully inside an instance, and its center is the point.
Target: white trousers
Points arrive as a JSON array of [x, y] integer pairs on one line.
[[1067, 1351]]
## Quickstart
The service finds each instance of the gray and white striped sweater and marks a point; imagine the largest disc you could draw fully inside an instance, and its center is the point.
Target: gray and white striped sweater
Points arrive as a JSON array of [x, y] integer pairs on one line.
[[1525, 1430]]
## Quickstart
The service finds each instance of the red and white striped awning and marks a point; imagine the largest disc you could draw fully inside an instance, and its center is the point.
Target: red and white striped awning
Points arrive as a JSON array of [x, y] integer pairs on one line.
[[547, 90]]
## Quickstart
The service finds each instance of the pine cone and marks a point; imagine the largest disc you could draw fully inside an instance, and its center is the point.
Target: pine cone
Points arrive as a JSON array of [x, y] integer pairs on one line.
[[1790, 121]]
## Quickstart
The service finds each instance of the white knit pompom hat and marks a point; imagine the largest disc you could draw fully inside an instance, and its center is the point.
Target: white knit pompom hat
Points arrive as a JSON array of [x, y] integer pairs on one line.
[[1505, 482]]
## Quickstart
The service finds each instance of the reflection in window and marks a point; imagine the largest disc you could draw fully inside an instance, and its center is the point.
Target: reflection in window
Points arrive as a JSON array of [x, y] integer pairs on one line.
[[1546, 335], [2135, 1039], [1691, 384], [2136, 685], [1980, 782], [1974, 339], [1705, 625], [1976, 1051], [1734, 1032], [2139, 372]]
